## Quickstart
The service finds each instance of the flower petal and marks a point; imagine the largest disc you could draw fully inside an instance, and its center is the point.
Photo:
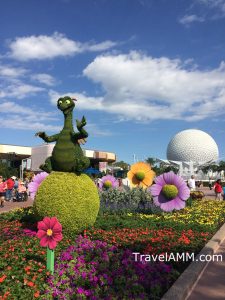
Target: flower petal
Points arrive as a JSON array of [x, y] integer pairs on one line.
[[155, 189], [33, 186], [149, 176], [57, 227], [140, 166], [176, 203], [156, 201], [160, 180], [42, 226], [52, 244], [41, 233], [169, 177], [178, 181], [53, 222], [57, 237], [184, 192], [47, 222], [44, 241], [168, 206]]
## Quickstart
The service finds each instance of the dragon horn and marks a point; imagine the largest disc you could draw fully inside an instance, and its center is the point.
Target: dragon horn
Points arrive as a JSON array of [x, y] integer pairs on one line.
[[74, 99]]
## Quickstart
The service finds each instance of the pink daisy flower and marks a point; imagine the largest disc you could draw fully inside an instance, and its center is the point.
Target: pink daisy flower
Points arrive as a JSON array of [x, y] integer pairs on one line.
[[170, 192], [34, 184], [49, 232]]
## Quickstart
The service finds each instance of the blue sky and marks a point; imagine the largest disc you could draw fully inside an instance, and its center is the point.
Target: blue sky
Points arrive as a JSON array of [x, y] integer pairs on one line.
[[142, 70]]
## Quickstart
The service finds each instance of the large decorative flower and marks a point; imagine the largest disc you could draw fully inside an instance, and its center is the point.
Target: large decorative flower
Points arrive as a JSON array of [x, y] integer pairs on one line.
[[141, 175], [34, 184], [108, 181], [49, 232], [170, 192]]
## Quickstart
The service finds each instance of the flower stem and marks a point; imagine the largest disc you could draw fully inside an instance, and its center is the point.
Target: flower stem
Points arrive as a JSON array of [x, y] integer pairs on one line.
[[50, 260]]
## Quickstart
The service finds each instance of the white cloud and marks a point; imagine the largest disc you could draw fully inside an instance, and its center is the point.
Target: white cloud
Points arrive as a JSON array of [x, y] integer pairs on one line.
[[12, 108], [208, 9], [143, 88], [15, 116], [48, 47], [188, 19], [217, 4], [84, 102], [44, 78], [11, 72], [42, 47], [19, 90], [16, 122], [99, 47]]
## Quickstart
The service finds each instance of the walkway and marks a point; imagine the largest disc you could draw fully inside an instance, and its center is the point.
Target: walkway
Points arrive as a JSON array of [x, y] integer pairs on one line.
[[13, 205], [211, 284]]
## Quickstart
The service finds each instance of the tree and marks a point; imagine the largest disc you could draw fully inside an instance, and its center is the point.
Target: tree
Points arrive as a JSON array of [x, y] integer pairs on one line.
[[160, 167], [151, 161], [221, 166], [125, 166], [7, 171]]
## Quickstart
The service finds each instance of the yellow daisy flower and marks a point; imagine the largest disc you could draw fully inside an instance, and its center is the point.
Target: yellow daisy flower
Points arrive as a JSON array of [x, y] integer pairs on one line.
[[141, 175]]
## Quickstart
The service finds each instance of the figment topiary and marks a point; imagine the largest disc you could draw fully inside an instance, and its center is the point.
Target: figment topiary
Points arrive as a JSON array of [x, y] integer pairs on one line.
[[72, 198], [67, 155]]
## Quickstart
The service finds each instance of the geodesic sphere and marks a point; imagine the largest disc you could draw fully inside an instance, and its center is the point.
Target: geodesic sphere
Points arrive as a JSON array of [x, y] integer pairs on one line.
[[192, 145]]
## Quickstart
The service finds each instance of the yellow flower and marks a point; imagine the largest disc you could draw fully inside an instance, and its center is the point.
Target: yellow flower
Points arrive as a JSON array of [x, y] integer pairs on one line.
[[141, 175]]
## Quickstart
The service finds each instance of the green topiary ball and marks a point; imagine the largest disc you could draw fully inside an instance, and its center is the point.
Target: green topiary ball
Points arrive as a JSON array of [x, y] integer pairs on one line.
[[72, 198]]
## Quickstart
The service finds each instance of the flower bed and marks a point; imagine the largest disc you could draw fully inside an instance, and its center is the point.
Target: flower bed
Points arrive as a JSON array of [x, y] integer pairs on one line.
[[95, 270], [101, 252]]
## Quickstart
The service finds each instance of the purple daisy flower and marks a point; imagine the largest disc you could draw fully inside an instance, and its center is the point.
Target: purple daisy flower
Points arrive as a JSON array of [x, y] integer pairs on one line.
[[34, 184], [170, 191], [108, 181]]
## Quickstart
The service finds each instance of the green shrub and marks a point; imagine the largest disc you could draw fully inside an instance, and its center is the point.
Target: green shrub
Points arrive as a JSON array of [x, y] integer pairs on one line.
[[197, 195], [134, 200], [72, 198]]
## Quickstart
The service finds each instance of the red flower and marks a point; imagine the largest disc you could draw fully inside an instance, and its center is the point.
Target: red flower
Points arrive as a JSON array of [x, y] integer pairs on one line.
[[3, 278], [49, 232]]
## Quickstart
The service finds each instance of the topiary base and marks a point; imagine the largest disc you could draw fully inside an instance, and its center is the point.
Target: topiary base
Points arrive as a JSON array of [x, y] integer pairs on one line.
[[72, 198]]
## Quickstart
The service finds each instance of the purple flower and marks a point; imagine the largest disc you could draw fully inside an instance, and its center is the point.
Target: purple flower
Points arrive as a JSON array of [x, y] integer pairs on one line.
[[105, 270], [170, 192], [34, 184], [80, 290], [108, 181]]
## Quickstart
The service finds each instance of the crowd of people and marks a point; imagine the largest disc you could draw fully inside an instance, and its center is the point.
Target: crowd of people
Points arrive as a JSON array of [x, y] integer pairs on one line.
[[13, 189], [216, 186]]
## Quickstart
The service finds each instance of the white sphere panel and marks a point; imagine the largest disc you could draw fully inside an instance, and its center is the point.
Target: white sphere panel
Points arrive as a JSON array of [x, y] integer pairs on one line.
[[192, 145]]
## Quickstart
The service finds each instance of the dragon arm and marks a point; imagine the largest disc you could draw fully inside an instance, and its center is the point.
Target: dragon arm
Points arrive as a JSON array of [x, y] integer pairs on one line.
[[46, 138], [82, 134]]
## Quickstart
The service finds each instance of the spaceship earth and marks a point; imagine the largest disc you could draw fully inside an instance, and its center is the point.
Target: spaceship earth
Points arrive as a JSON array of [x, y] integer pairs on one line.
[[192, 145]]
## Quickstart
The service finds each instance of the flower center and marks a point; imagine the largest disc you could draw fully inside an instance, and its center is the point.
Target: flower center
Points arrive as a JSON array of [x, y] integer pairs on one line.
[[49, 232], [107, 184], [140, 175], [170, 191]]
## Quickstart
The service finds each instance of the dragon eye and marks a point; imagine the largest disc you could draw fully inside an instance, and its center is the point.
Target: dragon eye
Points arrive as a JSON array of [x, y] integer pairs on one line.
[[67, 101], [60, 102]]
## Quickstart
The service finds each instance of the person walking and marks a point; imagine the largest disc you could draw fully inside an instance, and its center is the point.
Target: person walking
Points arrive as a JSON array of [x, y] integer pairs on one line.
[[210, 183], [218, 190], [3, 188], [191, 183], [10, 185]]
